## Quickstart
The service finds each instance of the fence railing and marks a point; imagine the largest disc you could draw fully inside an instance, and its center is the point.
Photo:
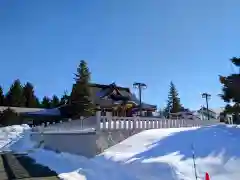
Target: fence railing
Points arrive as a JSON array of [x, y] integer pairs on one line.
[[104, 123], [70, 125], [110, 123]]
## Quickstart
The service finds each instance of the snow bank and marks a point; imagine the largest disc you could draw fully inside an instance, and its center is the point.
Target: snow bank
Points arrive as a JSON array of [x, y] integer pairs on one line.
[[217, 151], [158, 154], [11, 134]]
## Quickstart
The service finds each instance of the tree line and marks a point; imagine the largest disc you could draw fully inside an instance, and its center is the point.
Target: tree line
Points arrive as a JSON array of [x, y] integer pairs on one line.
[[23, 95], [20, 95], [230, 95]]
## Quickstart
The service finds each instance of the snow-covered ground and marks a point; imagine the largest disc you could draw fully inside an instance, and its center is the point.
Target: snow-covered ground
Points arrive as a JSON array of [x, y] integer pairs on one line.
[[158, 154], [9, 135]]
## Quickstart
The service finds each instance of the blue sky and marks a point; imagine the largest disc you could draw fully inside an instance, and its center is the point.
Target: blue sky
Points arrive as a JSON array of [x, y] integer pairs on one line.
[[188, 42]]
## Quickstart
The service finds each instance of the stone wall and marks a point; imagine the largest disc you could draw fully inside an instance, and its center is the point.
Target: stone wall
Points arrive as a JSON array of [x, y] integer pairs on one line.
[[79, 143], [107, 139], [86, 144]]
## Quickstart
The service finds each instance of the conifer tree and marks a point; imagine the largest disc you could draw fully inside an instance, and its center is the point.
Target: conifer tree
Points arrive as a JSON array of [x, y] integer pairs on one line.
[[55, 101], [46, 102], [64, 99], [173, 103], [231, 91], [14, 96], [1, 97], [9, 117], [31, 99], [38, 103], [81, 104]]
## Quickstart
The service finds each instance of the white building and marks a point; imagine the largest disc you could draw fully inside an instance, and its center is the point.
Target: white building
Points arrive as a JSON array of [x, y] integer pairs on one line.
[[213, 113], [184, 115]]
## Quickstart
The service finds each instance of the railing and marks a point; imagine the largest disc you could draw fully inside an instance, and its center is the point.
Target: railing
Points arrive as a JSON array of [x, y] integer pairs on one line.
[[110, 123], [104, 123], [70, 125]]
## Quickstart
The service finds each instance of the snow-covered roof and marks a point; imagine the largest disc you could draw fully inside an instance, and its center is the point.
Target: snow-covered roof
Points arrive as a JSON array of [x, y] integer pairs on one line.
[[45, 112], [20, 109]]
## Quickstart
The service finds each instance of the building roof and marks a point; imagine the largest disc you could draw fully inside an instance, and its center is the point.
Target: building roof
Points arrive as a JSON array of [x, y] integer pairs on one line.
[[144, 105], [45, 112], [213, 110], [20, 109], [97, 91], [218, 110], [205, 110]]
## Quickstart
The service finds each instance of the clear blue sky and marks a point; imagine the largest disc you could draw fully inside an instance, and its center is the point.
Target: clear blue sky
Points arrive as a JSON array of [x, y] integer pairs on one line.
[[188, 42]]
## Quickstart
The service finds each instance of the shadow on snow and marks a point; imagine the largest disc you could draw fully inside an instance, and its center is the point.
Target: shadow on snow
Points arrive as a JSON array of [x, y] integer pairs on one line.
[[214, 141]]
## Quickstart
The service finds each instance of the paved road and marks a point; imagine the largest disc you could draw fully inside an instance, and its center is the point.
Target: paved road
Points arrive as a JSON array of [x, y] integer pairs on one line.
[[17, 166]]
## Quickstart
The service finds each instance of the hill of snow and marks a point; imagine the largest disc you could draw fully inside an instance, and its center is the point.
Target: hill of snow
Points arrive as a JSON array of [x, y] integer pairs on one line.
[[9, 135], [158, 154], [168, 152]]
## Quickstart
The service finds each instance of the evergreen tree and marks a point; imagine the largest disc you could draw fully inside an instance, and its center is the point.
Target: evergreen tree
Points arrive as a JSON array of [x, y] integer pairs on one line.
[[31, 99], [1, 97], [231, 91], [46, 102], [9, 117], [38, 103], [173, 103], [64, 99], [15, 97], [80, 96], [55, 101]]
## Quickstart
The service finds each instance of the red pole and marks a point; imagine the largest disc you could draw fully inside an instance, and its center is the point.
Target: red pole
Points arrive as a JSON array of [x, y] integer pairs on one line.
[[207, 177]]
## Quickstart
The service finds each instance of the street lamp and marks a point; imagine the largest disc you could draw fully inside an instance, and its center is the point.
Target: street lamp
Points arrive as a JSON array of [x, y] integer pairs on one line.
[[206, 96], [140, 87]]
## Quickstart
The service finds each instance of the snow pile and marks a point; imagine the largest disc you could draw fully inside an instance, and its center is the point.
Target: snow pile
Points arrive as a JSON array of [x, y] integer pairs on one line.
[[168, 151], [11, 134], [158, 154]]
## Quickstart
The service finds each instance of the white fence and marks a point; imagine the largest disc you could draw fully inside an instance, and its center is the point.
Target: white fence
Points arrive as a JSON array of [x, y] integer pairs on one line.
[[70, 125], [104, 123], [111, 123]]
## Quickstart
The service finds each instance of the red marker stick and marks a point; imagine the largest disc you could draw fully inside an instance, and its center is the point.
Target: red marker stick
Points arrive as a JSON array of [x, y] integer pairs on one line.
[[207, 177]]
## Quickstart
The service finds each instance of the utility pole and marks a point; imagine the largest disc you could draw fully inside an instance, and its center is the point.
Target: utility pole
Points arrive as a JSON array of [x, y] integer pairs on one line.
[[206, 96], [140, 87]]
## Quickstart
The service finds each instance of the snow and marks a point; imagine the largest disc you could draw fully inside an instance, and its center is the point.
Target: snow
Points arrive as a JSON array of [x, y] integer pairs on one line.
[[158, 154], [10, 134]]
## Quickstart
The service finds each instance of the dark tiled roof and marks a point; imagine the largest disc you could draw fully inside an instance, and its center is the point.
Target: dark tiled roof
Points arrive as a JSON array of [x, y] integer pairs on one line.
[[96, 98]]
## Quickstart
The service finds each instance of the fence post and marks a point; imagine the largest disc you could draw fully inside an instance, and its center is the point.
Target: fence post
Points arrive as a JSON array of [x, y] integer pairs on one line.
[[134, 121], [98, 119], [109, 120], [81, 122]]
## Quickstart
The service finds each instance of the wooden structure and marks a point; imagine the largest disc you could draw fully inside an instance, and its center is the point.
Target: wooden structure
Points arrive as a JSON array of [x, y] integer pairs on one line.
[[119, 101]]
